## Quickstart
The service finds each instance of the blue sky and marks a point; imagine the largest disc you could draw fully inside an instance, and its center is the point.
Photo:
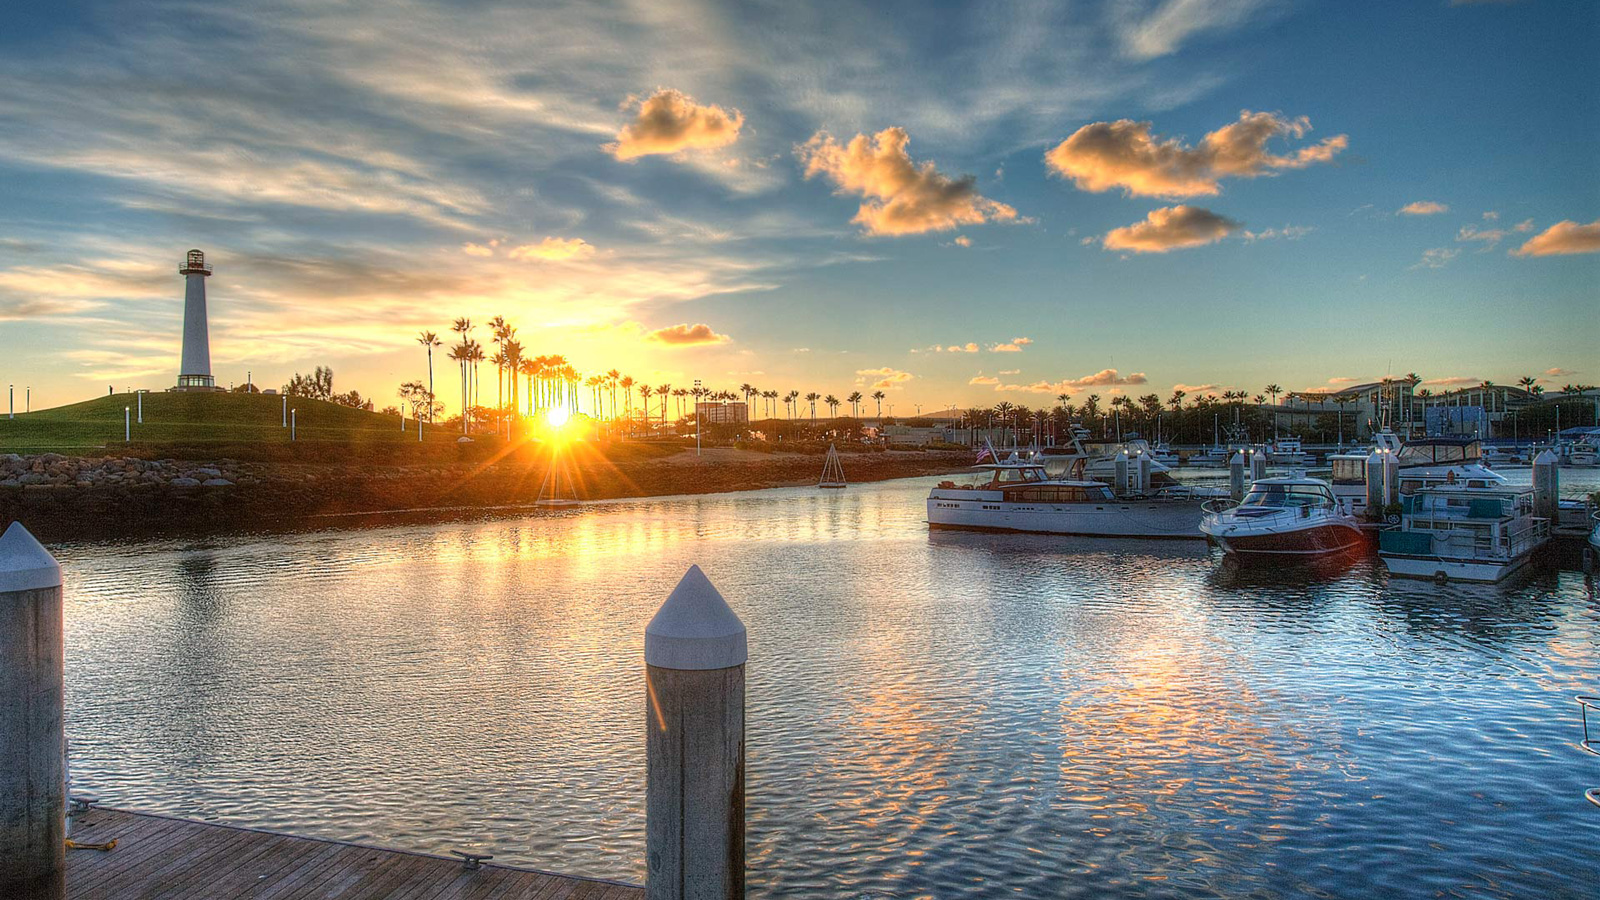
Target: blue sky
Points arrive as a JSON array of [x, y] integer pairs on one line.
[[600, 173]]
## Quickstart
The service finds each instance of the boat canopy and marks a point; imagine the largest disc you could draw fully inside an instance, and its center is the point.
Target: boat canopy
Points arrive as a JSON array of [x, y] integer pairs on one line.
[[1440, 452]]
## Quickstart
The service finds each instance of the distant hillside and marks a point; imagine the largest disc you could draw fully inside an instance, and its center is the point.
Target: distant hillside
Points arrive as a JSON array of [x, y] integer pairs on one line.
[[198, 420]]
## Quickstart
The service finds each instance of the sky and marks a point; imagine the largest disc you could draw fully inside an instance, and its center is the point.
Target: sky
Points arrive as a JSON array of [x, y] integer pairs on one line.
[[955, 203]]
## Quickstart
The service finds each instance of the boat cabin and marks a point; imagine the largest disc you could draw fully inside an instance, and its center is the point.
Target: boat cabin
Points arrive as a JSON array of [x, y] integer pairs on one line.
[[1029, 482], [1288, 493]]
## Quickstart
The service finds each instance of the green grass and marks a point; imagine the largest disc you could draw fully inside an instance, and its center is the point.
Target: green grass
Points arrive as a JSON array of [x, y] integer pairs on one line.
[[210, 423]]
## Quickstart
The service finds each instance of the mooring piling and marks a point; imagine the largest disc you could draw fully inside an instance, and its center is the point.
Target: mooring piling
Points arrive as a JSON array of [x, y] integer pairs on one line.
[[1547, 486], [33, 789], [694, 653]]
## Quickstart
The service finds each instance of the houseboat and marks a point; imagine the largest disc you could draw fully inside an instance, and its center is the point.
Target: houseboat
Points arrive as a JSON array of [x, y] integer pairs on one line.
[[1464, 530]]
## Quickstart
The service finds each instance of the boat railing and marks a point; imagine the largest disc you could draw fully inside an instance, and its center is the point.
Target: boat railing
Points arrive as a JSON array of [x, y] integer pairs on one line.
[[1219, 506], [1519, 540]]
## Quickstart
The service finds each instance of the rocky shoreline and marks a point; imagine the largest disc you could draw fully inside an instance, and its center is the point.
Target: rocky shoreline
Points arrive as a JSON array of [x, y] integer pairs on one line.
[[83, 498]]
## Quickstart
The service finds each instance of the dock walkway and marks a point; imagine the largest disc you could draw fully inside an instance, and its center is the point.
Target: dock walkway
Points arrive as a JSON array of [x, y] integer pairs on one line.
[[177, 859]]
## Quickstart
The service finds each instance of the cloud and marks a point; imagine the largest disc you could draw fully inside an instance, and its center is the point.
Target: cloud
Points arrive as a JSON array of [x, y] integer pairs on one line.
[[1435, 258], [1424, 208], [555, 249], [1524, 226], [1287, 232], [1344, 379], [1010, 371], [672, 122], [962, 241], [901, 197], [1106, 377], [1562, 238], [1196, 389], [1014, 345], [886, 378], [471, 249], [687, 335], [1558, 372], [1171, 228], [1453, 381], [1106, 155], [984, 379], [1489, 236], [1169, 24], [968, 347]]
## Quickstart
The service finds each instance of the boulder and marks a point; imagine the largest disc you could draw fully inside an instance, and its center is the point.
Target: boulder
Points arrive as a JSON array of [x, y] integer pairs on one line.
[[206, 472], [33, 478], [217, 482], [184, 481]]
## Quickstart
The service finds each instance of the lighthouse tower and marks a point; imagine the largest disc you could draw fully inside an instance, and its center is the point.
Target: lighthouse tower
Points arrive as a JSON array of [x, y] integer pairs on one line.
[[194, 372]]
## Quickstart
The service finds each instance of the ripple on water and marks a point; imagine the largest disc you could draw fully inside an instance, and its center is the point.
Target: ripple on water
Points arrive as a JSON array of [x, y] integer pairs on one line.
[[930, 715]]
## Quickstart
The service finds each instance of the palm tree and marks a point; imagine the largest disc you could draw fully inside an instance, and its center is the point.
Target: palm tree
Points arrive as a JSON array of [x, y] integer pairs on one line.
[[1274, 390], [499, 333], [1003, 411], [771, 396], [812, 398], [855, 404], [678, 394], [430, 340], [878, 396], [789, 403], [833, 406], [462, 353]]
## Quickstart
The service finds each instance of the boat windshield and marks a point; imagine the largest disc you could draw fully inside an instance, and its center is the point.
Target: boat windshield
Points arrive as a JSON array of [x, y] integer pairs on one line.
[[1280, 496], [1436, 453], [1024, 475]]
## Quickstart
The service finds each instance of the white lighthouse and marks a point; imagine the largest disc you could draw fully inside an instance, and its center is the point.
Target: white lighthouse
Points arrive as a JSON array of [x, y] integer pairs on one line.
[[194, 371]]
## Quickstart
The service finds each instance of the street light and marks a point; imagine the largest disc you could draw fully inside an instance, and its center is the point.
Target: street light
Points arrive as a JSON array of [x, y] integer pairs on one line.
[[697, 417]]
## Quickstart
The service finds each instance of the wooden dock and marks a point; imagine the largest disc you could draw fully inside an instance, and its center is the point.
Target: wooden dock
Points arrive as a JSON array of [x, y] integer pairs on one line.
[[159, 856]]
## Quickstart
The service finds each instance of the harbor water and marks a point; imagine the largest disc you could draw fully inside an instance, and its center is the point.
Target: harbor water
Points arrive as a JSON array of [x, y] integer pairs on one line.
[[930, 715]]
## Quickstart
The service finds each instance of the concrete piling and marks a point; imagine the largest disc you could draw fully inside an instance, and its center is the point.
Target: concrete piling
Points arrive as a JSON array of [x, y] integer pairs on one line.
[[694, 651], [1238, 481], [1258, 464], [33, 790], [1547, 485]]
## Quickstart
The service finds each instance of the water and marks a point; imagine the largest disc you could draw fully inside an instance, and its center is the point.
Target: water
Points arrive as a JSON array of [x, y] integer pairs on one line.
[[930, 715]]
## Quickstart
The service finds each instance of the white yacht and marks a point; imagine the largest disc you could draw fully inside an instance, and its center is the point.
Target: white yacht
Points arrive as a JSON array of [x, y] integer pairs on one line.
[[1287, 451], [1420, 464], [1019, 495], [1583, 454], [1093, 459], [1464, 530], [1292, 516]]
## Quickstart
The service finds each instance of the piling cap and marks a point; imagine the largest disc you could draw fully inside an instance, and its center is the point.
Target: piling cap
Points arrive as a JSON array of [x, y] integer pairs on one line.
[[1547, 458], [695, 629], [25, 565]]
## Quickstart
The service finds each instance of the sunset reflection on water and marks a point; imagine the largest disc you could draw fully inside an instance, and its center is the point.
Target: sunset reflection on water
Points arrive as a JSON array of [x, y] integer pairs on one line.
[[929, 715]]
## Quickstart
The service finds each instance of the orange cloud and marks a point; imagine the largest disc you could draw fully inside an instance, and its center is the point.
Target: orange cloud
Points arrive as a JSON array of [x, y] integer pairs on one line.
[[671, 122], [1106, 155], [984, 379], [1453, 381], [553, 249], [1562, 238], [1106, 377], [887, 378], [902, 197], [687, 335], [471, 249], [1015, 345], [1424, 208], [1171, 228], [1196, 389], [968, 347], [963, 241]]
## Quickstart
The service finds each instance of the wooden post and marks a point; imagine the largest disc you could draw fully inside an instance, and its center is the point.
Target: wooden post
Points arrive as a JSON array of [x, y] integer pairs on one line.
[[694, 653], [33, 790]]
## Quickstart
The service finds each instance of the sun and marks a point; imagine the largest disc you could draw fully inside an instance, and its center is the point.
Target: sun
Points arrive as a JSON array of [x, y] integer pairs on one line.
[[556, 416]]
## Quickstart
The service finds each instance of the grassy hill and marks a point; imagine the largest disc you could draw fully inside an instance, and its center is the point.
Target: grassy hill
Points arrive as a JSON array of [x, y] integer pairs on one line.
[[242, 425]]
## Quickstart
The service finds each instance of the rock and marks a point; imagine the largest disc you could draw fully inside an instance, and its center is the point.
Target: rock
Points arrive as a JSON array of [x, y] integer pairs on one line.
[[184, 481], [206, 472], [33, 478], [217, 482]]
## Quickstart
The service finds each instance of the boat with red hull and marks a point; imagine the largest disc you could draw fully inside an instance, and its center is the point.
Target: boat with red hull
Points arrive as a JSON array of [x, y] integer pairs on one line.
[[1287, 517]]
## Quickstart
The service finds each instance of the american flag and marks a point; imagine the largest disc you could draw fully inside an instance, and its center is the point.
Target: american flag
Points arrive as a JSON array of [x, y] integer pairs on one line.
[[986, 453]]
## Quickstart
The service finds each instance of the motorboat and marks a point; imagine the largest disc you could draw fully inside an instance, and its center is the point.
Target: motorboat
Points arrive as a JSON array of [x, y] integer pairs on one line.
[[1019, 495], [1163, 453], [1097, 460], [1464, 530], [1583, 455], [1287, 516], [1211, 458], [1591, 556], [1419, 464]]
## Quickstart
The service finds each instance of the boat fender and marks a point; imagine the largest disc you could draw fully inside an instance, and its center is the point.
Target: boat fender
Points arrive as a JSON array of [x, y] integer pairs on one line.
[[1440, 577]]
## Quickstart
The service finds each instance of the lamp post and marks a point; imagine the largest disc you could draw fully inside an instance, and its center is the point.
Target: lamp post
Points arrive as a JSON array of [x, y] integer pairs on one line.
[[697, 417], [285, 410], [292, 425], [140, 395], [127, 425]]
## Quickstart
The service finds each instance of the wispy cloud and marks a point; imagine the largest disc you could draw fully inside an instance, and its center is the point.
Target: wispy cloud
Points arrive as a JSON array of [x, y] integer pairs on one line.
[[885, 378], [1436, 258], [554, 249]]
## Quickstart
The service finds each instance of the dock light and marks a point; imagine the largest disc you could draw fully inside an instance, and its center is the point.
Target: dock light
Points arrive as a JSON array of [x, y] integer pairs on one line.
[[127, 425]]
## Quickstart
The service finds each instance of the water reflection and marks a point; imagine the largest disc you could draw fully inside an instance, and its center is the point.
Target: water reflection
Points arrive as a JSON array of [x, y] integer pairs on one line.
[[941, 714]]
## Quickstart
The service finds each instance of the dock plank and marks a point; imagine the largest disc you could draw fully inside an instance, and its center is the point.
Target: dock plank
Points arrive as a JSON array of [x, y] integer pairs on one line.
[[165, 858]]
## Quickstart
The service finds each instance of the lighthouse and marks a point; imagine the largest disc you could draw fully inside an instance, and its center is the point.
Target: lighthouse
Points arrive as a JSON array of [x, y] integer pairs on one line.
[[194, 372]]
